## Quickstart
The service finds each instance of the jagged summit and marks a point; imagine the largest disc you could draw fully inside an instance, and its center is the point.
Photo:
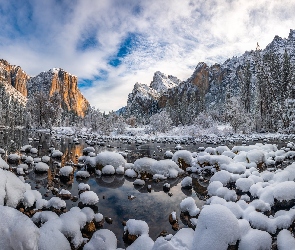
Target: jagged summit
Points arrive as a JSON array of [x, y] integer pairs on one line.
[[162, 83], [258, 77], [14, 75], [65, 84], [49, 82]]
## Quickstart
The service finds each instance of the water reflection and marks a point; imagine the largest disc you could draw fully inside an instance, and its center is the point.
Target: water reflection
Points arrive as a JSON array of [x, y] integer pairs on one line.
[[154, 207]]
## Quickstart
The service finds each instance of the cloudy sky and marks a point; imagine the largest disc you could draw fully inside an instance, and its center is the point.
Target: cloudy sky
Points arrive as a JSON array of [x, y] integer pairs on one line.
[[111, 44]]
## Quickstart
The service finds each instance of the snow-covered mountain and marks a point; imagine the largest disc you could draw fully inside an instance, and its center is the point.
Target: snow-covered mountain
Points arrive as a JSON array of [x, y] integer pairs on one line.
[[57, 80], [143, 100], [18, 85], [262, 79]]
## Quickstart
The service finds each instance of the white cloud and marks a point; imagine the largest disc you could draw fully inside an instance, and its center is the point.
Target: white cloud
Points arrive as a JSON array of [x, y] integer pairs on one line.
[[174, 37]]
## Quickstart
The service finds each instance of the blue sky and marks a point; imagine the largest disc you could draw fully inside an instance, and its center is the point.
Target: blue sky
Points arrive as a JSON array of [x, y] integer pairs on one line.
[[111, 44]]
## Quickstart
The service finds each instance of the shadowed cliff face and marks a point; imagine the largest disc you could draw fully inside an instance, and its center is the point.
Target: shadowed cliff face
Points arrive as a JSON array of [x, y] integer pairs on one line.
[[14, 76], [58, 80]]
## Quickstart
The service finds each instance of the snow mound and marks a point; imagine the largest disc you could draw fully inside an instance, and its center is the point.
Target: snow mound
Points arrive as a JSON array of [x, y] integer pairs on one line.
[[102, 239], [110, 158], [136, 227], [12, 233], [188, 205], [89, 198], [216, 229]]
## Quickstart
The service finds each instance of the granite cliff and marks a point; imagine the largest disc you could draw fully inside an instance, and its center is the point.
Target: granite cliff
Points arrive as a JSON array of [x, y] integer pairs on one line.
[[21, 85]]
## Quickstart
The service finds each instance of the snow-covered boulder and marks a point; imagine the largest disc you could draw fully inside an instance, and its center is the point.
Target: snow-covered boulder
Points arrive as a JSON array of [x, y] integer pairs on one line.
[[110, 158], [12, 189], [108, 170], [17, 231], [89, 198], [189, 205], [217, 228], [41, 167], [183, 158], [102, 239]]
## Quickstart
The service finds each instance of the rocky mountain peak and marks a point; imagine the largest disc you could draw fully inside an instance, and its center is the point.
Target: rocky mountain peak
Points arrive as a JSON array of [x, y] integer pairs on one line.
[[161, 83], [65, 84], [14, 75]]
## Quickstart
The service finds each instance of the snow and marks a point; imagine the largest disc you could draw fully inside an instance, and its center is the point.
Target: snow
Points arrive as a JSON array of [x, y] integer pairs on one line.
[[143, 242], [136, 227], [41, 167], [166, 167], [108, 170], [188, 205], [82, 174], [45, 159], [187, 181], [3, 164], [66, 171], [110, 158], [56, 154], [120, 170], [130, 173], [181, 240], [285, 240], [143, 165], [12, 189], [89, 198], [102, 239], [82, 186], [244, 184], [56, 203], [139, 182], [255, 240], [216, 229], [12, 233], [30, 197], [184, 155]]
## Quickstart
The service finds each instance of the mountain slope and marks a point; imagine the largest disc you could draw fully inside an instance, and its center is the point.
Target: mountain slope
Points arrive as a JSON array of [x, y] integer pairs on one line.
[[66, 85], [262, 80]]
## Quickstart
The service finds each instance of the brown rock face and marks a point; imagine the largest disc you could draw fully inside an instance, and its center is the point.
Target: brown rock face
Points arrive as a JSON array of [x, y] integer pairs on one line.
[[14, 76], [67, 86], [60, 81]]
